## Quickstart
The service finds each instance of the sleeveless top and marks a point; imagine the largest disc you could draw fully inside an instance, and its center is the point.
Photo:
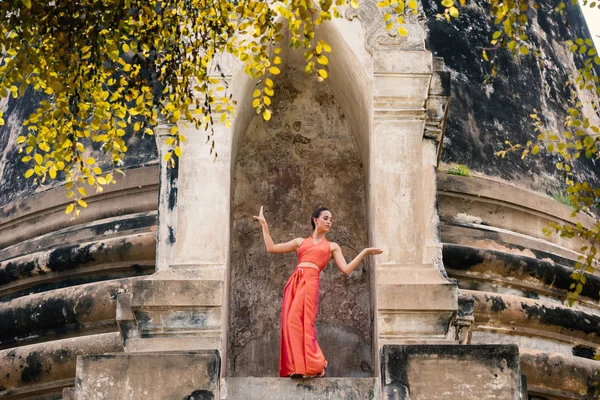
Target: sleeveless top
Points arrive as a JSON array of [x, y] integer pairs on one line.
[[317, 254]]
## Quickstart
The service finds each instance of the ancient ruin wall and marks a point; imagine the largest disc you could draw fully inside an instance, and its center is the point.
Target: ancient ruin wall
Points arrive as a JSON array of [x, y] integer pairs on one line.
[[483, 116], [303, 158], [59, 276]]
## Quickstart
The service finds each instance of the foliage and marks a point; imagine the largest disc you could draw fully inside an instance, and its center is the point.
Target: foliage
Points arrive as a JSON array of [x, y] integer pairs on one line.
[[580, 138], [562, 198], [458, 169], [107, 67]]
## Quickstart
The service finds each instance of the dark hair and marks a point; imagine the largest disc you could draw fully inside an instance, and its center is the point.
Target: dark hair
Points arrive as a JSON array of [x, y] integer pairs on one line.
[[317, 214]]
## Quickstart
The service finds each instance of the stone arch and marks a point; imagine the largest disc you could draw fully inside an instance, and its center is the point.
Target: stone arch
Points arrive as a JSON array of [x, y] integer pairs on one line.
[[278, 164]]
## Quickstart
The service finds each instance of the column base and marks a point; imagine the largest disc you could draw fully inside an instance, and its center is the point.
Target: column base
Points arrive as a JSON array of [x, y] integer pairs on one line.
[[433, 372], [148, 376], [171, 311]]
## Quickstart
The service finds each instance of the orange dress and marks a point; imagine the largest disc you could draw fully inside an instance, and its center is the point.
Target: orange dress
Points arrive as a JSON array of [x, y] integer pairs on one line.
[[300, 353]]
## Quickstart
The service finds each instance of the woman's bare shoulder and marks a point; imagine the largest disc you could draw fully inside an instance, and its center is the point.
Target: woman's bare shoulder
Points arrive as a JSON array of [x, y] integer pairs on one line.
[[334, 246]]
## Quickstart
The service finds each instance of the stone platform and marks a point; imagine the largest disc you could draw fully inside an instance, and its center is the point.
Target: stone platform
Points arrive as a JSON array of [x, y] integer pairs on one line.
[[299, 389]]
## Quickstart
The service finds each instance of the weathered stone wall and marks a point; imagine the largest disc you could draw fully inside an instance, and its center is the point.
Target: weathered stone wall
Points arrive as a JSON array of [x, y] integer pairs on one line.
[[483, 116], [303, 158], [60, 277], [14, 186], [518, 280]]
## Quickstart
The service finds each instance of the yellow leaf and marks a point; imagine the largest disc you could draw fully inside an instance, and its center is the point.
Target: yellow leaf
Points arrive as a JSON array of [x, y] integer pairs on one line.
[[523, 50], [90, 161], [256, 93], [354, 3], [70, 208], [38, 158], [167, 158], [82, 191], [82, 203], [267, 101], [269, 83], [485, 56], [402, 31], [178, 151], [322, 60], [412, 4], [274, 70], [255, 103], [223, 117], [27, 3], [52, 173], [102, 181], [269, 92], [174, 130], [125, 47], [322, 73], [29, 173], [267, 115]]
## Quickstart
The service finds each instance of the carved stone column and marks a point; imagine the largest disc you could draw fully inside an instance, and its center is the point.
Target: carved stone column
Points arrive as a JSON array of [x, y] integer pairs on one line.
[[415, 302], [180, 307]]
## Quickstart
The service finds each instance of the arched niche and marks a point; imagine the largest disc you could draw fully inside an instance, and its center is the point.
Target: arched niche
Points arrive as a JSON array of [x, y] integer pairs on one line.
[[313, 152]]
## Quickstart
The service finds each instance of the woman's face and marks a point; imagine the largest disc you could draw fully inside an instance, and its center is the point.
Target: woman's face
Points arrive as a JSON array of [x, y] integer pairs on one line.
[[323, 223]]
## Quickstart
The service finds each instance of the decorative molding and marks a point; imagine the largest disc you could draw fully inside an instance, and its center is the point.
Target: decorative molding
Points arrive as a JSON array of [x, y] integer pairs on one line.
[[378, 38]]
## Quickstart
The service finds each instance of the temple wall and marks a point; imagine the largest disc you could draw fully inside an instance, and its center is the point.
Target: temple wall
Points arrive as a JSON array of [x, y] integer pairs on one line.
[[303, 158]]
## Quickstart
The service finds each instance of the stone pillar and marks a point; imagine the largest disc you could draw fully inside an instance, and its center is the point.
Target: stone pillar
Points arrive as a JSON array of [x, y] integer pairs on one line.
[[180, 307], [415, 301]]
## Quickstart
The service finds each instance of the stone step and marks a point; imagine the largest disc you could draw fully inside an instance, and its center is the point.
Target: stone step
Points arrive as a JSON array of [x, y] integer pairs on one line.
[[299, 389]]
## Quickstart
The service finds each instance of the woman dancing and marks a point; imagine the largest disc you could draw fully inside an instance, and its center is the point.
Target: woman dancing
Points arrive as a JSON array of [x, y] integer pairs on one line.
[[300, 355]]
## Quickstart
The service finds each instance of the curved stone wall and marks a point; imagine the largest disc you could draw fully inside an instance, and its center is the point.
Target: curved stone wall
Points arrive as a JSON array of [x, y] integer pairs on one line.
[[518, 278], [60, 276], [483, 116]]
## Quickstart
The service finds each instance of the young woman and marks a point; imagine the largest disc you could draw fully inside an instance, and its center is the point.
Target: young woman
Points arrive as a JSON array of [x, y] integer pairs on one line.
[[300, 354]]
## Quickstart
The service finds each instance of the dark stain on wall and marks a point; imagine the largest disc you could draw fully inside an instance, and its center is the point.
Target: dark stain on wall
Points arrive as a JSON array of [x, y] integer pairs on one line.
[[66, 258], [497, 303], [125, 224], [482, 117], [200, 395], [466, 258], [34, 368], [567, 318], [584, 352]]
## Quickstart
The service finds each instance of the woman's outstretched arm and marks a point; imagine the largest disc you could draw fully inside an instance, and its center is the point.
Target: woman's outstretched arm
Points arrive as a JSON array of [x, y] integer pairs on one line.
[[340, 261], [287, 247]]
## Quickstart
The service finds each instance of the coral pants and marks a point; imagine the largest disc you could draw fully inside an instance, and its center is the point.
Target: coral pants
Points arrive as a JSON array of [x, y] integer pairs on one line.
[[300, 353]]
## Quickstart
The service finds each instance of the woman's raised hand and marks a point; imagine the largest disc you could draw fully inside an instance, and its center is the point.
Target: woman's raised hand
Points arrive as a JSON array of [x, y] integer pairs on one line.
[[373, 251], [261, 218]]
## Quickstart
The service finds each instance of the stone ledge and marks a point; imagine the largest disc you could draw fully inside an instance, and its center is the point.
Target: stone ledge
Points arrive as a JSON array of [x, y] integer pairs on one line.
[[418, 372], [35, 367], [558, 376], [299, 389], [73, 311], [530, 317], [490, 189], [520, 271], [148, 376]]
